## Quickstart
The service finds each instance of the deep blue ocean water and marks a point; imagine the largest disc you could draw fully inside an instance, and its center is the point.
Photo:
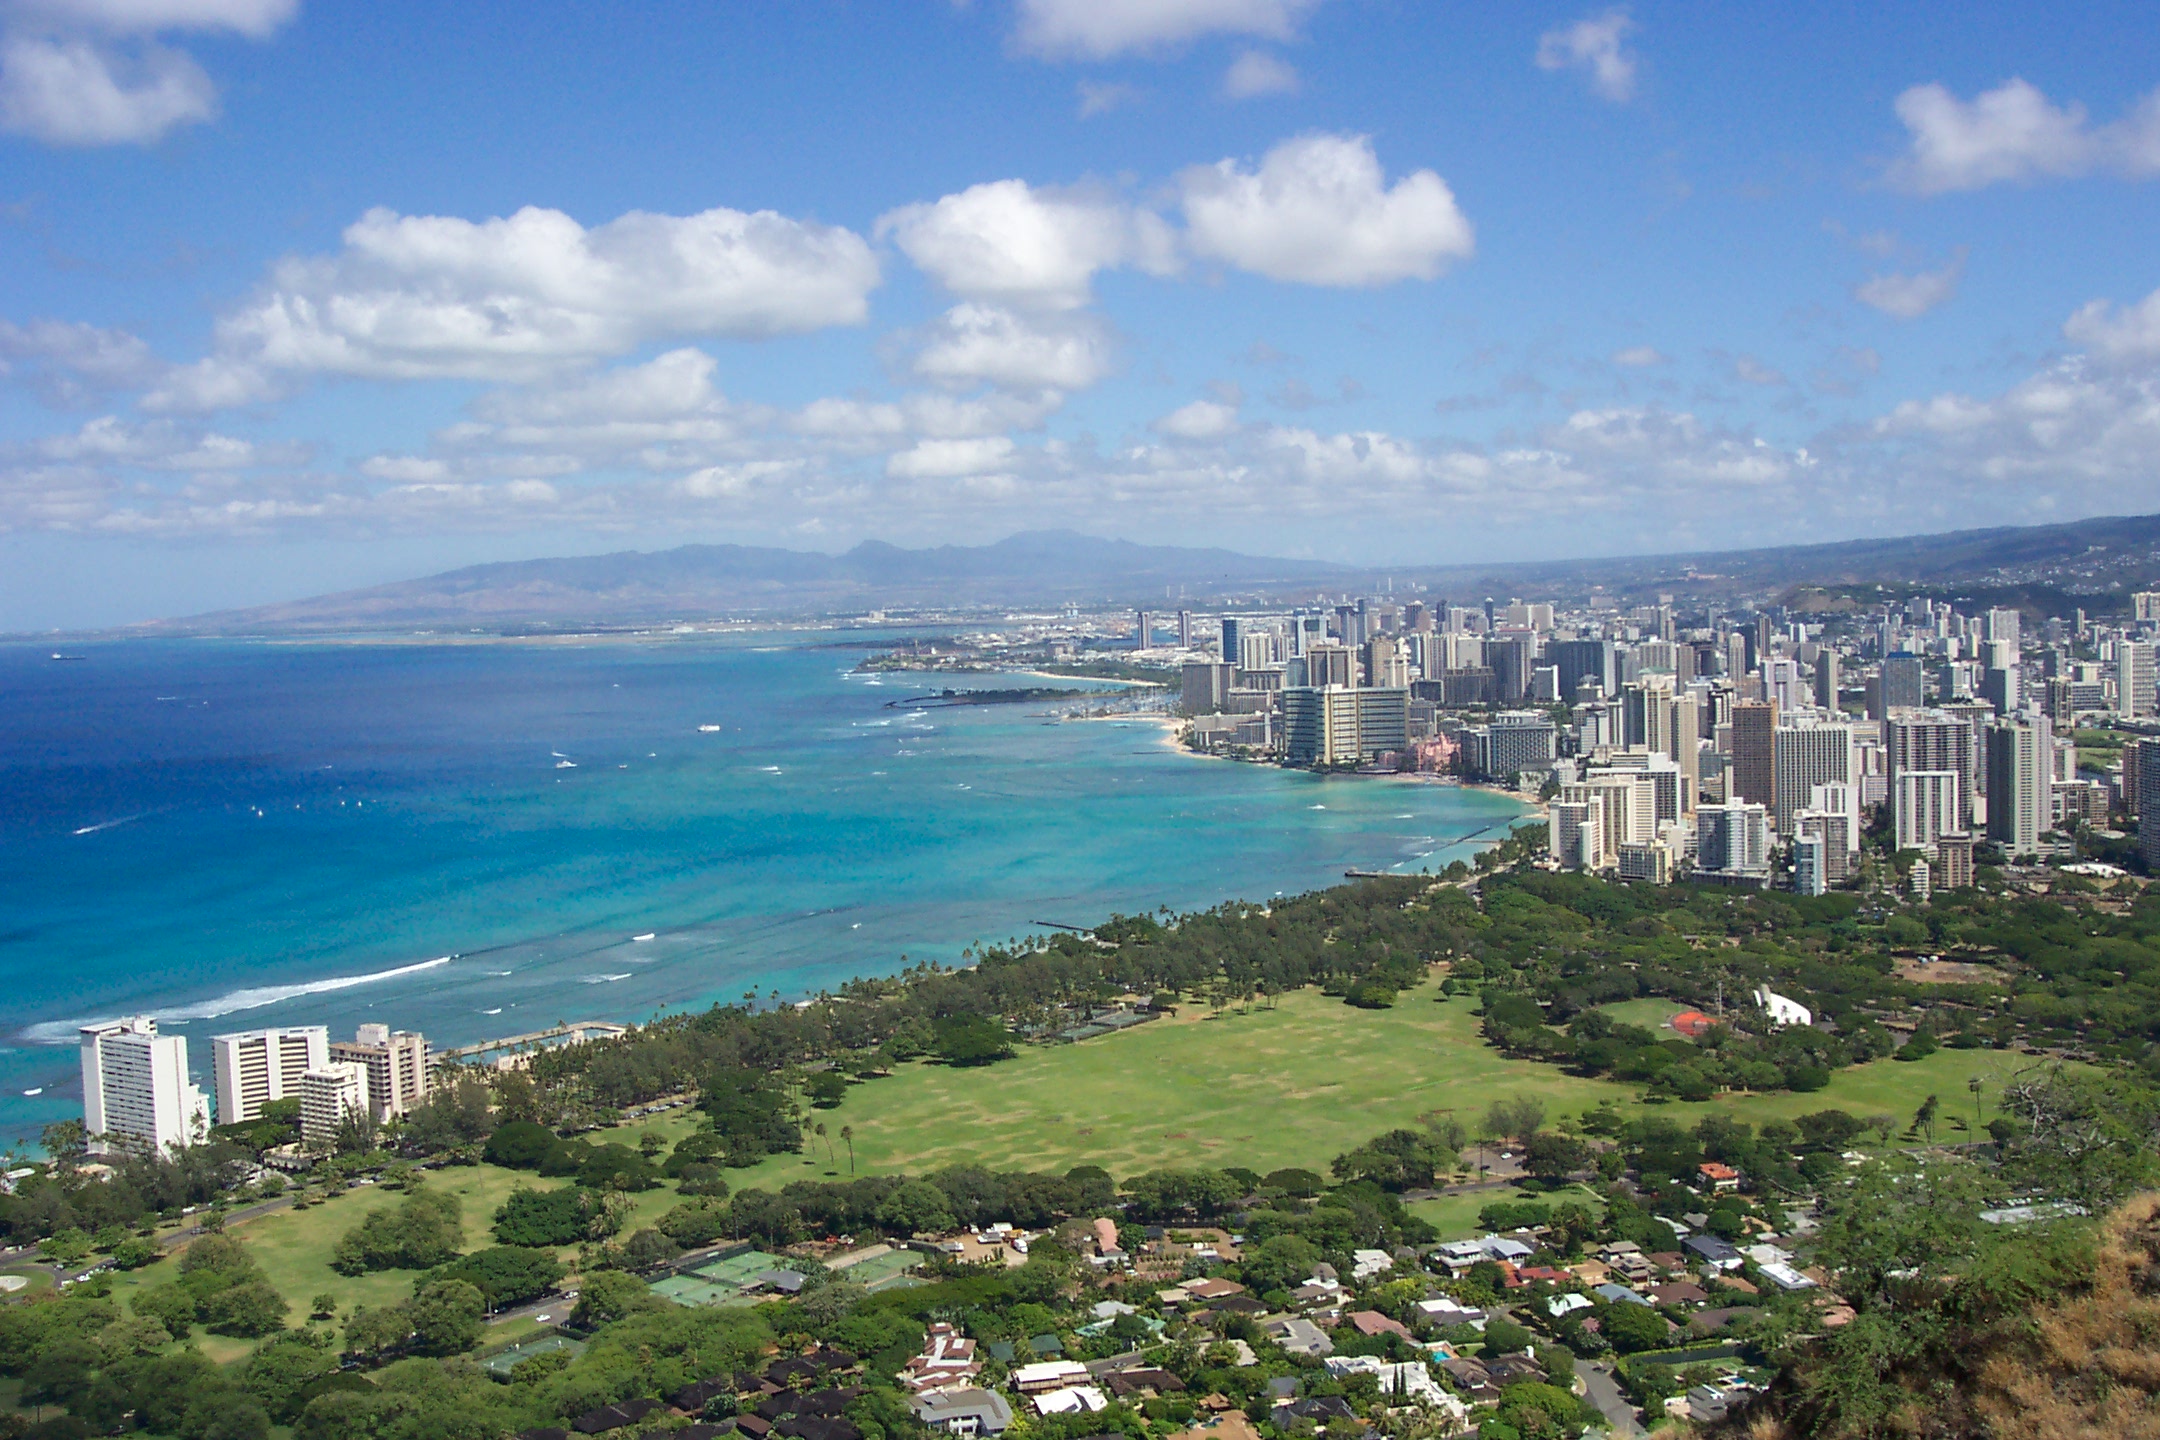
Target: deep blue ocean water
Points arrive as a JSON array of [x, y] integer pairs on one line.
[[232, 834]]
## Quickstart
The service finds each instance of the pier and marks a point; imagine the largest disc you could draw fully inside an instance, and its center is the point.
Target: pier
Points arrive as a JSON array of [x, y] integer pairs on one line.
[[503, 1054]]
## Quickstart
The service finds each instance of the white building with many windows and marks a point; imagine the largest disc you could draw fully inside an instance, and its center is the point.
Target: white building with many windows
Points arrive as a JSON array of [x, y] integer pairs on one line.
[[255, 1067], [136, 1090]]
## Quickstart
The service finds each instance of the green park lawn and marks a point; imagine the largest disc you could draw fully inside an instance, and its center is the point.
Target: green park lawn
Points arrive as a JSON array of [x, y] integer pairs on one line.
[[1295, 1084], [1650, 1013]]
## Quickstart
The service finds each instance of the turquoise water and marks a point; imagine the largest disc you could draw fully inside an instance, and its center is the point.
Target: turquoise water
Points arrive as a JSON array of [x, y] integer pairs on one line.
[[232, 834]]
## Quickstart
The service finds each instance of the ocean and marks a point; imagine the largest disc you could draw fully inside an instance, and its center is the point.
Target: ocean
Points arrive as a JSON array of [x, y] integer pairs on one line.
[[470, 840]]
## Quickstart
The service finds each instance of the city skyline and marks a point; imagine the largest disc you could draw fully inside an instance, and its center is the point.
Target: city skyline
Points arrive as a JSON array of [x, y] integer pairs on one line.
[[1250, 272]]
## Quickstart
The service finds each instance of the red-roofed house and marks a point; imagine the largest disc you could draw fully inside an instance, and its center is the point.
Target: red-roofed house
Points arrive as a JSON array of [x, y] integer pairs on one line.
[[1372, 1322]]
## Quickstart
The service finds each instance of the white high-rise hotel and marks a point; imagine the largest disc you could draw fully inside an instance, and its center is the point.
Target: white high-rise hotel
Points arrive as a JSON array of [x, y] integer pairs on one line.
[[136, 1090]]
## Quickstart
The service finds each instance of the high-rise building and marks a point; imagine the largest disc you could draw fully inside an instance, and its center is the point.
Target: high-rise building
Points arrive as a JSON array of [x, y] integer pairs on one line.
[[136, 1092], [328, 1094], [1383, 719], [1232, 629], [1385, 664], [1575, 832], [1577, 659], [2004, 627], [1936, 740], [1633, 798], [1143, 630], [1954, 862], [2145, 606], [2133, 677], [1184, 629], [1733, 839], [2147, 799], [1510, 655], [1826, 679], [1924, 806], [1206, 687], [1754, 752], [1920, 884], [2003, 687], [1515, 741], [1807, 756], [395, 1065], [254, 1067], [1811, 871], [2020, 759], [1331, 664], [1903, 684]]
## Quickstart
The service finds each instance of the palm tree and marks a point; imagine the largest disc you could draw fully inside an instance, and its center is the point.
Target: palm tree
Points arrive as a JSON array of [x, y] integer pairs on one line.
[[847, 1133], [819, 1131]]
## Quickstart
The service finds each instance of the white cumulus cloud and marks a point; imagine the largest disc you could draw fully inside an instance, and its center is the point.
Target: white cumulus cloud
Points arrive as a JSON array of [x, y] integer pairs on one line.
[[2125, 334], [1100, 29], [91, 72], [1639, 357], [1017, 244], [2015, 133], [1908, 297], [72, 92], [68, 361], [974, 342], [420, 296], [1255, 73], [1201, 420], [949, 459], [1318, 210], [1596, 46]]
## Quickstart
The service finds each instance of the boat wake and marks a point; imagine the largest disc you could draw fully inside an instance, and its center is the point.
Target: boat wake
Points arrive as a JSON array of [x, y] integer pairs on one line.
[[109, 824]]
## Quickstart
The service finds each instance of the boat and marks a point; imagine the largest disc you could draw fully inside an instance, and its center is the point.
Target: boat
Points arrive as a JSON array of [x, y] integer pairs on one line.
[[33, 1092], [708, 729], [58, 656], [566, 764], [641, 939]]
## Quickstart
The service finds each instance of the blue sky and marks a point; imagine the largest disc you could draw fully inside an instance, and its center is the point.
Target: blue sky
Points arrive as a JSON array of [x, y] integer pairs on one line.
[[301, 296]]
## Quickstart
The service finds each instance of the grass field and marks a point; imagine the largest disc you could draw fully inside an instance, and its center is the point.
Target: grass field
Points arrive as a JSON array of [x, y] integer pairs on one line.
[[1294, 1085], [1650, 1013]]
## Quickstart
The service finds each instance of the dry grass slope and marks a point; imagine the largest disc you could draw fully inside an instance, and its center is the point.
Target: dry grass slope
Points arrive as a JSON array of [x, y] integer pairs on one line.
[[2085, 1367]]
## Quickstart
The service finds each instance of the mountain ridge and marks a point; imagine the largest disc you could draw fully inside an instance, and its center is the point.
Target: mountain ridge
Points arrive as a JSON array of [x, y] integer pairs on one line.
[[2101, 557]]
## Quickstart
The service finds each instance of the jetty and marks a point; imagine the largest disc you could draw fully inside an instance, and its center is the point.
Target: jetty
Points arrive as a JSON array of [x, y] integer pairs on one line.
[[507, 1053]]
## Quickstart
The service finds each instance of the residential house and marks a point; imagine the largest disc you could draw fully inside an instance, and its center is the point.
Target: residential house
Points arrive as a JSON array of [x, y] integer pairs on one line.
[[1372, 1322], [967, 1413], [1300, 1336], [1047, 1375], [1712, 1252], [947, 1361], [1718, 1177], [1447, 1310]]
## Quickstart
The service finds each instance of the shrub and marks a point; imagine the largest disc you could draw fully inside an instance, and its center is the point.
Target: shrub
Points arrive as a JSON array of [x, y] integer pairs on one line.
[[552, 1217], [520, 1145], [504, 1275], [424, 1231]]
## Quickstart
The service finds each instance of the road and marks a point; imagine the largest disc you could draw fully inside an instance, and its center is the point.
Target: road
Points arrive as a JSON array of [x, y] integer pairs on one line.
[[1603, 1391]]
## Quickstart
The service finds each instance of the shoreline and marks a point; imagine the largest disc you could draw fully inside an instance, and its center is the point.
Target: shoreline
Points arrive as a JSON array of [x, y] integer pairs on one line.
[[35, 1043]]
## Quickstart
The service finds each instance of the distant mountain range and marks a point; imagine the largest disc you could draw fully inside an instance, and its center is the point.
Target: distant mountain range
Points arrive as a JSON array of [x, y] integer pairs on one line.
[[1045, 567], [2098, 558]]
